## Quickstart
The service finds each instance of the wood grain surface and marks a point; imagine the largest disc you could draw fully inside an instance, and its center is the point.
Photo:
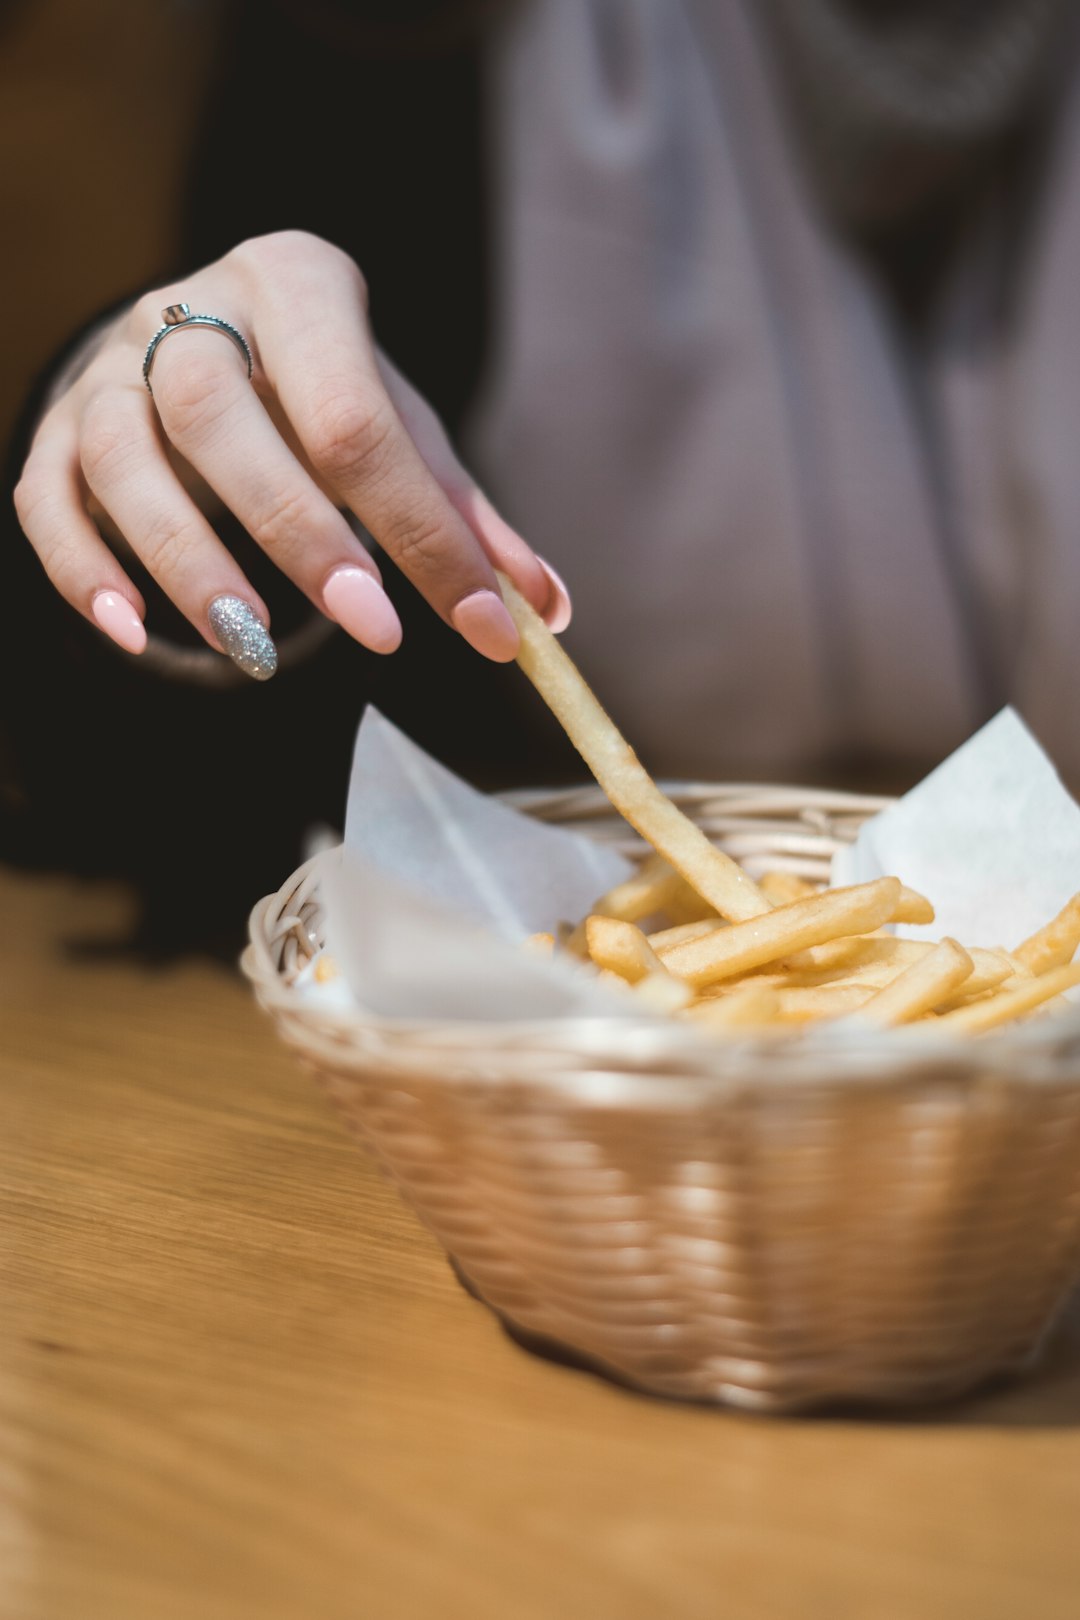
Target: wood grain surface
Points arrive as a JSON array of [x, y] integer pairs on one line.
[[238, 1380]]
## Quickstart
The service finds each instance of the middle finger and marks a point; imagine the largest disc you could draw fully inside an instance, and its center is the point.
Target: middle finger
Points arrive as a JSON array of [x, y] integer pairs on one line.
[[323, 368], [216, 420]]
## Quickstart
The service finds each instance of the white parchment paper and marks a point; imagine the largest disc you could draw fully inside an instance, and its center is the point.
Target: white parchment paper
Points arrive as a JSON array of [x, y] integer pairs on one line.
[[437, 885], [991, 837]]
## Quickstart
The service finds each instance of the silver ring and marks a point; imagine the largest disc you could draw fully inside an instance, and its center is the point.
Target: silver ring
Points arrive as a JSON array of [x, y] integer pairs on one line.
[[178, 318]]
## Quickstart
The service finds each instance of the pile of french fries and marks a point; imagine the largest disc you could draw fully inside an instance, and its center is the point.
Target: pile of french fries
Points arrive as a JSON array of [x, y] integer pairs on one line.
[[690, 933]]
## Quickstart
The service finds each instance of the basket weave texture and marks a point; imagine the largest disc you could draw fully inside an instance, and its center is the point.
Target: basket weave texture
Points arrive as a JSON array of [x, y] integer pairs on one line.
[[749, 1221]]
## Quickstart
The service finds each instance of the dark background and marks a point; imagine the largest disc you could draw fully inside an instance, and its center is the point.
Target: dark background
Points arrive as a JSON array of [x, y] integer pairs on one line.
[[144, 139]]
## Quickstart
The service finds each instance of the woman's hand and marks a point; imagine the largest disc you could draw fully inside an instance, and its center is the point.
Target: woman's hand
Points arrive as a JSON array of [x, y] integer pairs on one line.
[[325, 423]]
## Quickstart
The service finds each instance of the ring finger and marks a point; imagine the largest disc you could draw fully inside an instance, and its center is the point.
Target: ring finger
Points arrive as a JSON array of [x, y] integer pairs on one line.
[[127, 470]]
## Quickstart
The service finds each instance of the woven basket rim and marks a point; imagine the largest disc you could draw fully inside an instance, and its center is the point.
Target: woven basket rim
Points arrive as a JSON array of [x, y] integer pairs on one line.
[[607, 1060]]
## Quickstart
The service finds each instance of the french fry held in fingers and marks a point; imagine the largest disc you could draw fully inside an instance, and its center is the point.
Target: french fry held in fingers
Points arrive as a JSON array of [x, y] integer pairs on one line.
[[709, 872], [739, 958]]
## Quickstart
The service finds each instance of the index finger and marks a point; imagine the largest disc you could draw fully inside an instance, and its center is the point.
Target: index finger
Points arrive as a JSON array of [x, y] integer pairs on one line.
[[318, 357]]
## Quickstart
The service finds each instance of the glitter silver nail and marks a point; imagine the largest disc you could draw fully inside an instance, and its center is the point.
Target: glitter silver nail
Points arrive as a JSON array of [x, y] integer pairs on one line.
[[241, 635]]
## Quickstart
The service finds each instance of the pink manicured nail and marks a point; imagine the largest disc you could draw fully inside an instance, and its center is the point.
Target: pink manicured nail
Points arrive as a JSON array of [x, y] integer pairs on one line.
[[116, 616], [559, 607], [484, 621], [360, 605]]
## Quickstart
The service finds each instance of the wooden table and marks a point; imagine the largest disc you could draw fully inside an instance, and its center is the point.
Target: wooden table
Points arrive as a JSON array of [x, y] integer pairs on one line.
[[238, 1380]]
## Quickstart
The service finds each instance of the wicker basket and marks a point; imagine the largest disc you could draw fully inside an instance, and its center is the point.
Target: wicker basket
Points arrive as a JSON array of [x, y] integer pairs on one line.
[[753, 1222]]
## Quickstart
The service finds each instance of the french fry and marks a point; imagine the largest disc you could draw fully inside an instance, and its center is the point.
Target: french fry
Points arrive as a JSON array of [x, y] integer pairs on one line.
[[805, 1005], [840, 953], [988, 970], [748, 1007], [913, 907], [654, 887], [709, 872], [727, 952], [655, 993], [1055, 944], [783, 887], [622, 947], [683, 904], [875, 966], [1012, 1002], [873, 974], [540, 944], [661, 993], [991, 970], [849, 956], [754, 1002], [642, 893], [921, 987], [663, 940]]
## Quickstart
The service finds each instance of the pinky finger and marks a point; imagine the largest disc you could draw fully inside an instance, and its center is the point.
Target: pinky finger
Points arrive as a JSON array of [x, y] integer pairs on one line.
[[49, 504]]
